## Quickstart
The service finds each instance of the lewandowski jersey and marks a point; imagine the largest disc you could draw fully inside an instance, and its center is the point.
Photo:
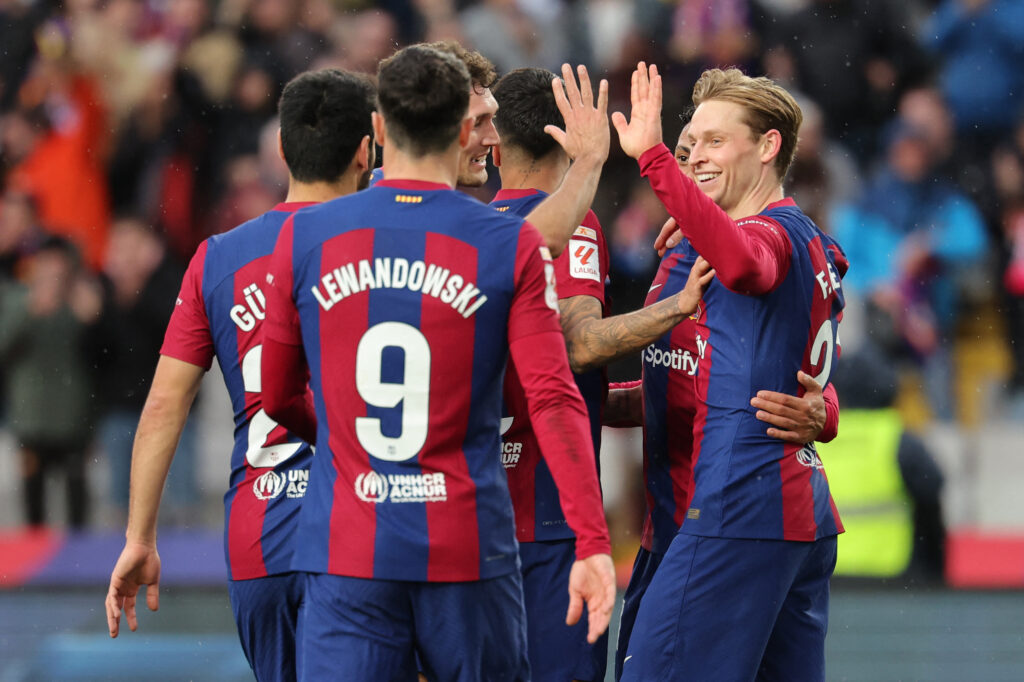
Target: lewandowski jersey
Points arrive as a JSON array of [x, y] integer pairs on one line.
[[407, 296], [670, 401], [220, 311], [747, 484], [580, 270]]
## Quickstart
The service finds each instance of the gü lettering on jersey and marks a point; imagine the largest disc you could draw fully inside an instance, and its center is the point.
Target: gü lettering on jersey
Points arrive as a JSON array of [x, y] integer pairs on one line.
[[673, 358], [375, 487], [398, 273], [255, 308]]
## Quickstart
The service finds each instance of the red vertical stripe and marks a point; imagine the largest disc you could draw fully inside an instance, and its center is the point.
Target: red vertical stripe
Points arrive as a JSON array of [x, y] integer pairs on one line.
[[700, 416], [353, 522], [454, 538], [682, 391]]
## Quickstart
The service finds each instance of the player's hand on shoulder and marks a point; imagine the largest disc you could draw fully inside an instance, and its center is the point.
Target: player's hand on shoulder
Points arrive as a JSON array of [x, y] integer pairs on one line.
[[586, 133], [697, 283], [138, 565], [795, 420], [592, 580]]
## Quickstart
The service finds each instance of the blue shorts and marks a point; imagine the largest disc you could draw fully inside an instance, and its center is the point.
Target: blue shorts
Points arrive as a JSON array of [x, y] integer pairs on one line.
[[267, 612], [359, 629], [729, 609], [644, 566], [556, 651]]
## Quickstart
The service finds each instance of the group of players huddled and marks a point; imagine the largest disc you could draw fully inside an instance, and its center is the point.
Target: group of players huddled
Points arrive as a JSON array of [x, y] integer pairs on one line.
[[418, 387]]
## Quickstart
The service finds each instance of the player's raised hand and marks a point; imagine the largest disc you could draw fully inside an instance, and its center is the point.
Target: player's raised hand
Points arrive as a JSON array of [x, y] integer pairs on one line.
[[592, 580], [669, 237], [643, 130], [586, 123], [138, 565], [697, 283], [796, 420]]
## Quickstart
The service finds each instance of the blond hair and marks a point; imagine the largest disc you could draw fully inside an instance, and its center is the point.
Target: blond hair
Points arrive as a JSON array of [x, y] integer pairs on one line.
[[766, 104]]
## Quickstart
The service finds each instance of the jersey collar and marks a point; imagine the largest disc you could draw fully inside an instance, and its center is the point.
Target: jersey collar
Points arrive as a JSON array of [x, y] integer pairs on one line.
[[506, 194], [420, 185], [293, 206]]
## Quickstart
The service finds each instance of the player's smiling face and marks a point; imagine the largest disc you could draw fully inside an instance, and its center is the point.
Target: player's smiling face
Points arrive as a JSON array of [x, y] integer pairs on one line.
[[473, 162], [725, 156]]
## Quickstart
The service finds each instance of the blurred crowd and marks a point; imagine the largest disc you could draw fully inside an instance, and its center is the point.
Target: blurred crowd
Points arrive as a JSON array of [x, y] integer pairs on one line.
[[131, 130]]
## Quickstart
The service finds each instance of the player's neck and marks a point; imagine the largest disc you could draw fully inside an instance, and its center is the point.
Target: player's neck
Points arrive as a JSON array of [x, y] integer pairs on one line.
[[321, 191], [757, 200], [534, 176], [442, 167], [520, 171]]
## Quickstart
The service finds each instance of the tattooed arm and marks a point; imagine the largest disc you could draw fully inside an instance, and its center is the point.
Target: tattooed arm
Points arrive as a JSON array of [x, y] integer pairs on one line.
[[594, 342]]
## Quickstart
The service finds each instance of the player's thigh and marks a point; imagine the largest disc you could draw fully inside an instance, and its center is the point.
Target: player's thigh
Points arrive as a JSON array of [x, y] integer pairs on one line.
[[644, 566], [796, 648], [267, 615], [687, 626], [471, 630], [355, 628], [556, 651]]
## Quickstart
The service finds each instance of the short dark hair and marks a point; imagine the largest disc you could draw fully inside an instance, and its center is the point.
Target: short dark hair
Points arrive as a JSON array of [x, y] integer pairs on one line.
[[525, 105], [481, 70], [423, 95], [324, 116]]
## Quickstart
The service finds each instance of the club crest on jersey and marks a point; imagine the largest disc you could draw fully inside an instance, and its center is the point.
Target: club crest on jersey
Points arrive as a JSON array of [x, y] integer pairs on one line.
[[584, 259], [377, 488], [697, 312], [808, 457], [272, 483]]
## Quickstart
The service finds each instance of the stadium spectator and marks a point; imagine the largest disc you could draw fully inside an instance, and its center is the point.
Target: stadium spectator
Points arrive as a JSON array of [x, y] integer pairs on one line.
[[979, 44], [914, 237], [141, 283], [44, 324]]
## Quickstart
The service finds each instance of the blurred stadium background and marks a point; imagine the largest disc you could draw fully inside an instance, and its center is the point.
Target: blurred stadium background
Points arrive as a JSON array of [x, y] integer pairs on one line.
[[136, 128]]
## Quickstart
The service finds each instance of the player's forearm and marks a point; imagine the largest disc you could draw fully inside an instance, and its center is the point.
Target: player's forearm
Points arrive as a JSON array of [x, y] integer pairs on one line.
[[595, 342], [284, 396], [831, 428], [558, 216], [174, 388], [559, 418], [742, 262], [624, 406]]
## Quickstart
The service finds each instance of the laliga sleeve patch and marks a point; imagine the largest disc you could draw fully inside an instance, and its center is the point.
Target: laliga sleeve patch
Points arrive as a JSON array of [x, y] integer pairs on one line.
[[584, 260]]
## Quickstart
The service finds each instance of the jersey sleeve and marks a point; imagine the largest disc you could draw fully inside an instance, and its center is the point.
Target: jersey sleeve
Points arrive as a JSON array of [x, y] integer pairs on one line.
[[831, 428], [188, 337], [581, 269], [557, 411], [282, 317], [534, 306], [750, 256], [284, 369]]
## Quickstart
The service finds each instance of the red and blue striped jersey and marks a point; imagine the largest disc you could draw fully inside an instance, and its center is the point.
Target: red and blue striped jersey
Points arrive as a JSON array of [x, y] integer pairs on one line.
[[580, 270], [772, 310], [407, 298], [220, 311], [670, 401]]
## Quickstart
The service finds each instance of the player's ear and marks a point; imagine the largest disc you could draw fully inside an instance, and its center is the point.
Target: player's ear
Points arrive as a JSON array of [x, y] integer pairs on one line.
[[465, 131], [379, 129], [280, 146], [364, 155], [496, 155], [771, 143]]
